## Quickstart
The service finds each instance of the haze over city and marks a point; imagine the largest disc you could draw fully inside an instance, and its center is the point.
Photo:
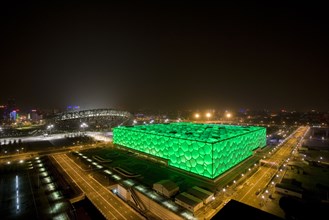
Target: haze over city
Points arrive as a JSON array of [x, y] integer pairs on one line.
[[172, 55]]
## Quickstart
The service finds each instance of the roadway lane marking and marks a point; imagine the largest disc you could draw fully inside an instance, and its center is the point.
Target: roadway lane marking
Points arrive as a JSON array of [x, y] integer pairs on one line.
[[116, 200], [282, 151], [104, 188], [86, 183]]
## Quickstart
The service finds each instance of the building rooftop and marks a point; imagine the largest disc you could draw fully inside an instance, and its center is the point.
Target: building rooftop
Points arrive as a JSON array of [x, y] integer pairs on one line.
[[211, 133], [188, 199], [200, 193], [234, 209], [168, 184]]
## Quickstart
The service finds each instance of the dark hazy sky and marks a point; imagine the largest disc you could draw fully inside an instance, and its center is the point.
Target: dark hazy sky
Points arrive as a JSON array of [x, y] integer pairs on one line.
[[165, 55]]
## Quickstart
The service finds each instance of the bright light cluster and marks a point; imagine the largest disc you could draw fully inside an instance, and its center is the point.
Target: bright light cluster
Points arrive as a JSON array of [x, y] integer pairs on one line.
[[204, 149]]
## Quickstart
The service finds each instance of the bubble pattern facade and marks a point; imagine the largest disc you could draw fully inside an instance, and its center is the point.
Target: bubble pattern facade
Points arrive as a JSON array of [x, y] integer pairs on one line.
[[204, 149]]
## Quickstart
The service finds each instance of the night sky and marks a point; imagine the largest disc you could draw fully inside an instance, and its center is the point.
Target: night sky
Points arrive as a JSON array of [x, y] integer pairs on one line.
[[165, 55]]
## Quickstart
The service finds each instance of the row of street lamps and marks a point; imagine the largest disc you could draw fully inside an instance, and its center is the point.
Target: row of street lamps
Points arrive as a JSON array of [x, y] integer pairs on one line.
[[83, 126], [208, 115]]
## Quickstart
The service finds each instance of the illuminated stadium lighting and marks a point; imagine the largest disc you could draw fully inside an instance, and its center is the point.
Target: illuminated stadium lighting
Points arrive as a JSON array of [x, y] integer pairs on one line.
[[84, 125], [204, 149]]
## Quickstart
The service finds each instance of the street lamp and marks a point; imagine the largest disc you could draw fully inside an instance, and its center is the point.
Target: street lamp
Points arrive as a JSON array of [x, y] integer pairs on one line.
[[50, 127], [228, 115], [208, 115], [83, 126], [197, 115]]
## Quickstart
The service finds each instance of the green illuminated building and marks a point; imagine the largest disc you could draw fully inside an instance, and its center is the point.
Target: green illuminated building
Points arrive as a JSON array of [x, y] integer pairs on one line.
[[204, 149]]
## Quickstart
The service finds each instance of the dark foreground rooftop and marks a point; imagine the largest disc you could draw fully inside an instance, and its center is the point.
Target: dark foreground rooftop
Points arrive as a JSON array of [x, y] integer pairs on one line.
[[234, 210]]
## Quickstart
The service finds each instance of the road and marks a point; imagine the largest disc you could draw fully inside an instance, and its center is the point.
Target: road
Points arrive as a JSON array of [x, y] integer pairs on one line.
[[252, 191], [101, 136], [265, 175], [108, 204], [30, 154]]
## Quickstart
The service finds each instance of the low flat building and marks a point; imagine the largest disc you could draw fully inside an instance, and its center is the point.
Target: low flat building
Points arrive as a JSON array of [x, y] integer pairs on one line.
[[166, 188], [289, 190], [189, 201], [202, 194]]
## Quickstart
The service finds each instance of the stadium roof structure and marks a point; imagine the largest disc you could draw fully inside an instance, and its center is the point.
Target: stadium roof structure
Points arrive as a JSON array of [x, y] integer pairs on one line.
[[210, 133], [204, 149]]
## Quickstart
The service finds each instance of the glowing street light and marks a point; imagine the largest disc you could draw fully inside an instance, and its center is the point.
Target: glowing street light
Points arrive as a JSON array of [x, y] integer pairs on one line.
[[50, 127], [197, 115], [208, 115], [83, 126], [228, 115]]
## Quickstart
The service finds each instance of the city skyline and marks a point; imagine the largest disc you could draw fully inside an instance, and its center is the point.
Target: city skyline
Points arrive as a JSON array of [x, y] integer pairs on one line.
[[165, 56]]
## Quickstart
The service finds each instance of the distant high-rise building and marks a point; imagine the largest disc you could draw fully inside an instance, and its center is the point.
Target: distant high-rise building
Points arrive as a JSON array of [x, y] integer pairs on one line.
[[35, 115], [13, 115], [2, 112]]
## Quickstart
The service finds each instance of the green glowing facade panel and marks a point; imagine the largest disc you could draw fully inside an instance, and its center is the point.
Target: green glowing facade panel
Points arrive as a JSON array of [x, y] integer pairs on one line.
[[204, 149]]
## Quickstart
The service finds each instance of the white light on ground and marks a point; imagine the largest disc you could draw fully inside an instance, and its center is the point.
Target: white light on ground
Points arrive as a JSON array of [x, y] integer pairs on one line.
[[17, 194], [108, 172], [141, 188], [170, 205], [187, 215], [116, 177], [47, 180]]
